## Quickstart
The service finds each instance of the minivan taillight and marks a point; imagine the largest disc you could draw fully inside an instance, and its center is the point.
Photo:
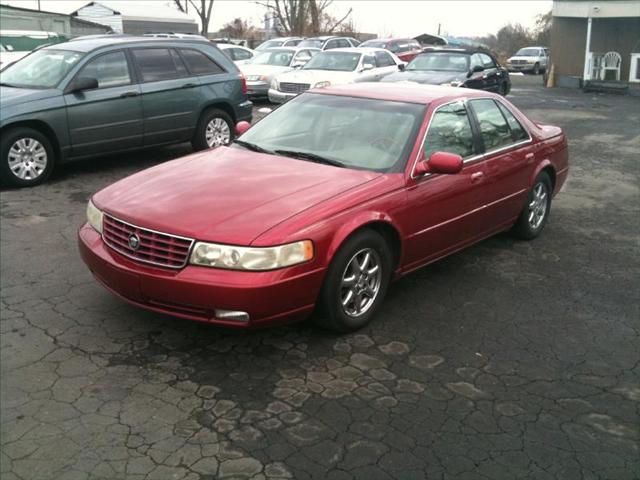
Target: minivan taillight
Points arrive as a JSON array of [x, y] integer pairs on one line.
[[243, 81]]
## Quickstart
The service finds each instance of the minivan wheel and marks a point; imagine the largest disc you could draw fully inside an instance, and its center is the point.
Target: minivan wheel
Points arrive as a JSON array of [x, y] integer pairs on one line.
[[215, 128], [356, 283], [535, 213], [27, 157]]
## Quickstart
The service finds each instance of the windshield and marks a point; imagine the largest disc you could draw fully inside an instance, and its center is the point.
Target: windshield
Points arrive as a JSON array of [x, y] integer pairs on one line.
[[42, 69], [374, 44], [528, 52], [270, 44], [335, 61], [358, 133], [311, 42], [281, 58], [445, 62]]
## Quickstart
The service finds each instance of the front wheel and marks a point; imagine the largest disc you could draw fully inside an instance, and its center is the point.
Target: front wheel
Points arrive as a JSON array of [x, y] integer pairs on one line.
[[215, 128], [356, 283], [536, 69], [27, 157], [535, 213]]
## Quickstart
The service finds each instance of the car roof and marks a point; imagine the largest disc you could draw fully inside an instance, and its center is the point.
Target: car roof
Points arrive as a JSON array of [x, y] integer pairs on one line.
[[356, 50], [407, 92], [285, 49], [282, 38], [468, 51], [100, 41]]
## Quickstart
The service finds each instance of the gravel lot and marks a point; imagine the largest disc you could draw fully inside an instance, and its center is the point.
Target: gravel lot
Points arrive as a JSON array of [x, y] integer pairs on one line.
[[508, 360]]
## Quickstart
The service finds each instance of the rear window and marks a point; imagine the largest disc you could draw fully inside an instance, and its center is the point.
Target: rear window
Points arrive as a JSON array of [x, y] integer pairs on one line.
[[155, 64], [198, 63]]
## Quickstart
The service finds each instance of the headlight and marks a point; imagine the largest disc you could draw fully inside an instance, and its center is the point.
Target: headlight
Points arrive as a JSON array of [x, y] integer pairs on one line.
[[251, 258], [531, 61], [274, 84], [322, 84], [94, 217]]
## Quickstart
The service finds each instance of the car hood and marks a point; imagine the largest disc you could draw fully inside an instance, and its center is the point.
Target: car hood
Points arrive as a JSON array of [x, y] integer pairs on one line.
[[425, 76], [10, 96], [314, 76], [522, 58], [227, 195], [266, 70]]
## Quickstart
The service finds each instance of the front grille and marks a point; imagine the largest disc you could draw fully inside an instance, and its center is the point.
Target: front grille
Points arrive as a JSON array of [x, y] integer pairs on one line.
[[152, 247], [294, 87], [518, 62]]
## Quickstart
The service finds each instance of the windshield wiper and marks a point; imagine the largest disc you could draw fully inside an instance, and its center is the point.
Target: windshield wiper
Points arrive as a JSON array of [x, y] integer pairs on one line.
[[252, 146], [5, 84], [310, 156]]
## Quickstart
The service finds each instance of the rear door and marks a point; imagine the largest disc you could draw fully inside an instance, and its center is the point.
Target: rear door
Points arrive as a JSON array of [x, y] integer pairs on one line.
[[443, 210], [109, 118], [170, 97], [509, 161]]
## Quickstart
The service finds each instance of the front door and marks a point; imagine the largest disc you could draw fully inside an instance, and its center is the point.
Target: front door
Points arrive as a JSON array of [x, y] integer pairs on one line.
[[170, 95], [442, 210], [108, 118]]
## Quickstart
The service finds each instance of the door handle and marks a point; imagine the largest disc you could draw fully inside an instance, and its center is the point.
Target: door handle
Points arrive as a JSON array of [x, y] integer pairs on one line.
[[132, 93], [476, 176], [189, 85], [529, 157]]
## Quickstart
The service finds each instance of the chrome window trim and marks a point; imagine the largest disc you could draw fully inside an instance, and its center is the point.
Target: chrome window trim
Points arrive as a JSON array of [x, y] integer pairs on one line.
[[149, 262], [473, 158]]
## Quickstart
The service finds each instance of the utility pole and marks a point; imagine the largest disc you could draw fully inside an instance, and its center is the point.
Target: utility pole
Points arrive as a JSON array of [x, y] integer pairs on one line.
[[439, 24], [38, 5]]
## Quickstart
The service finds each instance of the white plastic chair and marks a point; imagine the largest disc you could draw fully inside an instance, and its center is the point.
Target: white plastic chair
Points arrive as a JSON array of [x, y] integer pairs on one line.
[[610, 61]]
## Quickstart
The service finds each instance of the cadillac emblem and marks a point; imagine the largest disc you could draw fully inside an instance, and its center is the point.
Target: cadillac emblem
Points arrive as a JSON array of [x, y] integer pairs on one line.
[[134, 242]]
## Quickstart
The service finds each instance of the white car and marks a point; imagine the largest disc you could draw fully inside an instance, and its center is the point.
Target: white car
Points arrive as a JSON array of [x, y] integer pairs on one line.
[[335, 67], [279, 42], [239, 55], [529, 59], [269, 63]]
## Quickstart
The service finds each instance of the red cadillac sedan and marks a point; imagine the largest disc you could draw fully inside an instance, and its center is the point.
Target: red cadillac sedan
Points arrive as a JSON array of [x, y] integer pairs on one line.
[[322, 203]]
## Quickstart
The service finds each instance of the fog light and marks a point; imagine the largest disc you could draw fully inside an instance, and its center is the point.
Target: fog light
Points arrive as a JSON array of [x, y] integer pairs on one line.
[[232, 315]]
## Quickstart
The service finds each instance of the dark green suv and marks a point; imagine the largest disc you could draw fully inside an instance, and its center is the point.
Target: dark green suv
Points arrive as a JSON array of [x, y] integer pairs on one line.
[[102, 95]]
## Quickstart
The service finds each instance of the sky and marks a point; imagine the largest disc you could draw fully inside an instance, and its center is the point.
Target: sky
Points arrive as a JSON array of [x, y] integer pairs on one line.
[[382, 17]]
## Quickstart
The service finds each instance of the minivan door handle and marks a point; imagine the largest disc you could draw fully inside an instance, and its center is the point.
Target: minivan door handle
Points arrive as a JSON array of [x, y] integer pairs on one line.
[[189, 85], [132, 93]]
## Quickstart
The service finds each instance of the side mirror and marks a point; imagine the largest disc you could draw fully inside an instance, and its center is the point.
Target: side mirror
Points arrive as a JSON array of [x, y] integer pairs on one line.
[[476, 69], [297, 65], [83, 83], [440, 162], [242, 127], [367, 66], [402, 66]]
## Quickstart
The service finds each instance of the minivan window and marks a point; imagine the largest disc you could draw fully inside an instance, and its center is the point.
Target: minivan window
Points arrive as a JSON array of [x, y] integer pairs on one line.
[[155, 64], [110, 69], [198, 63], [41, 69]]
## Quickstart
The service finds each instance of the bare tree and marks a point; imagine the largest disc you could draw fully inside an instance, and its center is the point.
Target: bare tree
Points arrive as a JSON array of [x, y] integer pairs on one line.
[[239, 28], [202, 8], [303, 17]]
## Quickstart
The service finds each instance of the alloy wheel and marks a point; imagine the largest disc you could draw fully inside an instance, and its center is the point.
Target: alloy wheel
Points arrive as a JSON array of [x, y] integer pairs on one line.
[[27, 159], [538, 206], [361, 281], [217, 133]]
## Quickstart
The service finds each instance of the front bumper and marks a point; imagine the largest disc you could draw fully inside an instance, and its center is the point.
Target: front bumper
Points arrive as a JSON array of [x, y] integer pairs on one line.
[[276, 96], [520, 68], [257, 89], [193, 292]]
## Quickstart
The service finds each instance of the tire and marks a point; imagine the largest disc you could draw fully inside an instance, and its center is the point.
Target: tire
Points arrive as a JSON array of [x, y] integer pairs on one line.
[[535, 212], [536, 69], [27, 157], [333, 315], [210, 120]]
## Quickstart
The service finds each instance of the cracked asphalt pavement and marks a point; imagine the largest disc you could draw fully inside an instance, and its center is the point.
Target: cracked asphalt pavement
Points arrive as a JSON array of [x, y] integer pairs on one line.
[[510, 360]]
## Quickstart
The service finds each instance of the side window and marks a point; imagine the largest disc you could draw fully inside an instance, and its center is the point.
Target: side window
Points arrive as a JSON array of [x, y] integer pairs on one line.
[[198, 63], [155, 64], [302, 56], [368, 60], [416, 45], [493, 126], [518, 132], [393, 47], [487, 61], [111, 70], [241, 54], [476, 60], [331, 44], [450, 131], [343, 43], [383, 59], [180, 67]]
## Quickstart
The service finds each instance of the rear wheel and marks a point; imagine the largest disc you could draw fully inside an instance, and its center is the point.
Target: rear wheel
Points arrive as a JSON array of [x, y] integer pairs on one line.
[[215, 128], [27, 157], [356, 283], [535, 213]]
